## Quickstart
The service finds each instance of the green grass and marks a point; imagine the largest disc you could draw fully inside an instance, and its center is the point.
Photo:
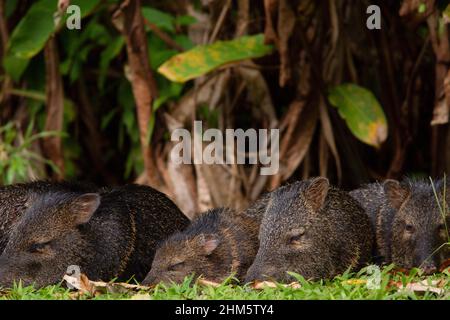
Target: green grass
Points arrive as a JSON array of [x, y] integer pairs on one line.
[[347, 286]]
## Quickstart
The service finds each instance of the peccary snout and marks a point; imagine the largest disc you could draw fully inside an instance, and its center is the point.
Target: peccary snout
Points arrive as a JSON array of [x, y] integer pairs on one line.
[[10, 273], [429, 268], [4, 280], [261, 272], [424, 258]]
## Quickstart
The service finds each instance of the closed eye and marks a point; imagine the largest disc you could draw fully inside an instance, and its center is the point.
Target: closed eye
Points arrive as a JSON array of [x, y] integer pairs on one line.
[[176, 266], [39, 247], [296, 236], [295, 240]]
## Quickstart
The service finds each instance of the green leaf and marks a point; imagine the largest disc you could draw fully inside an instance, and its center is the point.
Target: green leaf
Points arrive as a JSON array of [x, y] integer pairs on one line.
[[361, 111], [33, 31], [184, 41], [422, 8], [171, 91], [86, 6], [185, 20], [15, 66], [159, 51], [160, 19], [158, 57], [203, 59]]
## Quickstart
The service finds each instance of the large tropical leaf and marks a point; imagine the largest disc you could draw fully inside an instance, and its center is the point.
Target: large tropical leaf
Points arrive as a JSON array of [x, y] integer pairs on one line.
[[15, 66], [361, 111], [32, 32], [203, 59]]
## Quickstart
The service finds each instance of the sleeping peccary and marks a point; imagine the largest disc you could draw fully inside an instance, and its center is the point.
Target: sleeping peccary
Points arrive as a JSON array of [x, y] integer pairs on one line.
[[16, 198], [312, 229], [108, 234], [220, 242], [411, 220]]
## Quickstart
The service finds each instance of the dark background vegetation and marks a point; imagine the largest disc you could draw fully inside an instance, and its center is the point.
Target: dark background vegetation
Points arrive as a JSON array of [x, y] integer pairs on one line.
[[99, 87]]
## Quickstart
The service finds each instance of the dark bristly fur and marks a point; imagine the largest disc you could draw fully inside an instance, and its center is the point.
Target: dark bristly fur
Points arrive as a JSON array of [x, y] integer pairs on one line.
[[109, 234], [409, 225], [218, 243], [312, 229]]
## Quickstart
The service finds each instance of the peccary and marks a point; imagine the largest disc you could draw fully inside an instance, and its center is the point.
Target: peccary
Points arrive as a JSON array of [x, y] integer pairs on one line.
[[217, 244], [312, 229], [16, 198], [410, 227], [108, 234]]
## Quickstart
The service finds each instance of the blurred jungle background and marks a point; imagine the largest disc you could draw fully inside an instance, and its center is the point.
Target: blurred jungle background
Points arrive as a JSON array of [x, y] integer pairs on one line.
[[99, 103]]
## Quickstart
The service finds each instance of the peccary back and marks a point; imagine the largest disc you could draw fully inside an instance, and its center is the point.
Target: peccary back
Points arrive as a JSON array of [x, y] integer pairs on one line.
[[109, 234]]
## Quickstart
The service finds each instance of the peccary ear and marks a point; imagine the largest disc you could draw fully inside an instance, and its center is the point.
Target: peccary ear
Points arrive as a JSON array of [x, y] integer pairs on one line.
[[395, 193], [84, 207], [209, 243], [316, 192]]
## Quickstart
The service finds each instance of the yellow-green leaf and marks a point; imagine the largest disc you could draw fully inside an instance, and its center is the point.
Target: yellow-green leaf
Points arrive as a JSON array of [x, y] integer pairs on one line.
[[361, 111], [446, 14], [203, 59]]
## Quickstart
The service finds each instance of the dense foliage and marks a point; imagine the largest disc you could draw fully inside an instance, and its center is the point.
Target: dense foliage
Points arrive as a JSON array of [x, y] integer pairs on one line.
[[352, 103]]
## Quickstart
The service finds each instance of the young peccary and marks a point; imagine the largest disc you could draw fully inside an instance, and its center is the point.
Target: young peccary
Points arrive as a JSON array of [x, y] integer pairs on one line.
[[311, 229], [16, 198], [109, 234], [410, 227], [218, 243]]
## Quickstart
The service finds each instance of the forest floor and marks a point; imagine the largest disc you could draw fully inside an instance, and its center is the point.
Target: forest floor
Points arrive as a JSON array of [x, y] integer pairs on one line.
[[393, 286]]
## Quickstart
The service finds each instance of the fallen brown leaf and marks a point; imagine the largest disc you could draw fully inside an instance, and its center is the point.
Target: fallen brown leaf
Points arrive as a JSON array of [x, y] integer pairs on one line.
[[435, 286], [86, 286], [260, 285], [141, 296], [205, 282], [294, 285]]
